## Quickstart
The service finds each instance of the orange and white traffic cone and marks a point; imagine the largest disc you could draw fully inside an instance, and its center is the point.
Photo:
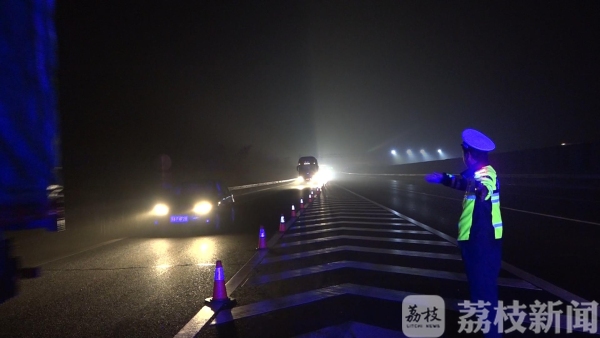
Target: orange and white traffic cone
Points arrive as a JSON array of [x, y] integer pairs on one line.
[[282, 224], [301, 204], [293, 211], [262, 238], [310, 197], [220, 297]]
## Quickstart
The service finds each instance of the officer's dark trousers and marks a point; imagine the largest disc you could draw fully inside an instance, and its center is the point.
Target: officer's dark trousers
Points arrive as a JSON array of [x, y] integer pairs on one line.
[[482, 257]]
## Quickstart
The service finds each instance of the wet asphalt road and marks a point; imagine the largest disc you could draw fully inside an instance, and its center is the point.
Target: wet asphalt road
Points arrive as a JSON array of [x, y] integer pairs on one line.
[[151, 286], [145, 285]]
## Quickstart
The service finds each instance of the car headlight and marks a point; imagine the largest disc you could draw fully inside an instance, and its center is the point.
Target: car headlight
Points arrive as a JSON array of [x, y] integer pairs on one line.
[[160, 209], [300, 179], [202, 208]]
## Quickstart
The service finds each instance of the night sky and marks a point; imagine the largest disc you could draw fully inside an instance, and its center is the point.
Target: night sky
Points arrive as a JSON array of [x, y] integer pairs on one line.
[[221, 84]]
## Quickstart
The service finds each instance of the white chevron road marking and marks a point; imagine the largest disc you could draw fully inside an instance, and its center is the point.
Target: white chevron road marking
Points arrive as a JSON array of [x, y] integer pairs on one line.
[[508, 282]]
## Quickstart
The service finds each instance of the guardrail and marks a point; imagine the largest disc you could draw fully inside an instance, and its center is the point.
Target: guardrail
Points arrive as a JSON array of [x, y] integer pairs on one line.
[[255, 185], [374, 174]]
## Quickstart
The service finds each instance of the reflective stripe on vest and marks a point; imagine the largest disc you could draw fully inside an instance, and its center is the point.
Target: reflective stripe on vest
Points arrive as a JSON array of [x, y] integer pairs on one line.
[[496, 216], [466, 219]]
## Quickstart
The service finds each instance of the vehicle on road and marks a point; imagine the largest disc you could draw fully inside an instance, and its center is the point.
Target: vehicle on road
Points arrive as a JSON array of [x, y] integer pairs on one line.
[[199, 205], [307, 168]]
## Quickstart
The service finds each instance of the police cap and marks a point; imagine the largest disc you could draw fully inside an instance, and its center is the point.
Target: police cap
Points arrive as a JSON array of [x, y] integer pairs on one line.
[[477, 140]]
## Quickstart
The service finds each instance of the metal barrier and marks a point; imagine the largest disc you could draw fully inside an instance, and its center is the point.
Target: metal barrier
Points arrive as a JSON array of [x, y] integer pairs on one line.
[[255, 185]]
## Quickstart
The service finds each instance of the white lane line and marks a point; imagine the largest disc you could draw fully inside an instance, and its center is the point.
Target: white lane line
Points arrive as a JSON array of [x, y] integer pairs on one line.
[[80, 252], [391, 231], [206, 313], [511, 209], [263, 279], [190, 330], [363, 238], [552, 216], [304, 254], [541, 283]]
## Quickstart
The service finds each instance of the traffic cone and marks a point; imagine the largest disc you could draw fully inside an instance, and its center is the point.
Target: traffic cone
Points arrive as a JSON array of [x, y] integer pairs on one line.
[[262, 238], [301, 204], [219, 290], [293, 211], [310, 197], [282, 224]]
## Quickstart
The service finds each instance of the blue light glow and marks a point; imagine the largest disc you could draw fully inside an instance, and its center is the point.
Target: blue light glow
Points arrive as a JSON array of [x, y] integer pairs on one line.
[[29, 124]]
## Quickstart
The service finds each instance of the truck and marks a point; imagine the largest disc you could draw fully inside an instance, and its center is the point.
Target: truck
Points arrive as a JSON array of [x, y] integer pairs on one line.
[[307, 168], [31, 189]]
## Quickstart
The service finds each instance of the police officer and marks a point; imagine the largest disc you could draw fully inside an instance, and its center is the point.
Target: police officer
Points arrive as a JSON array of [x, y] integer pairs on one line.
[[480, 224]]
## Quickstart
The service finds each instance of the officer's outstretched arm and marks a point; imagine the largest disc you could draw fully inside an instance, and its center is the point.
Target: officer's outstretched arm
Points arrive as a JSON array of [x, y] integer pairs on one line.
[[454, 181], [434, 178]]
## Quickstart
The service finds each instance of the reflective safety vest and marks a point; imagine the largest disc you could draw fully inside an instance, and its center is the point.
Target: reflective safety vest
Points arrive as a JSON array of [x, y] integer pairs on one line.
[[484, 177]]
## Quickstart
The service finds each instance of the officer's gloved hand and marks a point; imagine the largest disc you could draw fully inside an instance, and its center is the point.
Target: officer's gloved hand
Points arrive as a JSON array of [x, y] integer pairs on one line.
[[434, 178]]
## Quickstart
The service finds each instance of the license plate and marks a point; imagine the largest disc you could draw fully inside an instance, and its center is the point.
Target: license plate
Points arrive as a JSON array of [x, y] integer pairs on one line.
[[179, 219]]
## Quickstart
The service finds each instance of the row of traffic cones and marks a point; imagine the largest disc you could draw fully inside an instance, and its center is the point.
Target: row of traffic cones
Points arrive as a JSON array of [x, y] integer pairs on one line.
[[220, 298], [262, 234]]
